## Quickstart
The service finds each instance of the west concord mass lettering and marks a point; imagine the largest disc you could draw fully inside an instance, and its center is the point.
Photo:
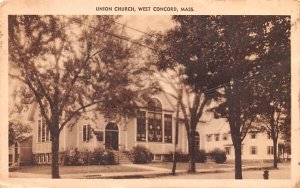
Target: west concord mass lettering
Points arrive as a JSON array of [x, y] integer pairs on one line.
[[145, 9]]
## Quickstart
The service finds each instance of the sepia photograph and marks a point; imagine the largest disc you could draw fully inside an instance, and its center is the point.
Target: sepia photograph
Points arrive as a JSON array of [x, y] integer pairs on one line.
[[152, 94], [203, 97]]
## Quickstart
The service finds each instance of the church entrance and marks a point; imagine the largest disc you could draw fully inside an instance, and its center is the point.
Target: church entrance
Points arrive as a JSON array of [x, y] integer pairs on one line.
[[112, 136]]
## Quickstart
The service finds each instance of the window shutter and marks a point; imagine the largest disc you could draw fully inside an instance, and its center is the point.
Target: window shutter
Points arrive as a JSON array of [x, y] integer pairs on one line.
[[80, 133]]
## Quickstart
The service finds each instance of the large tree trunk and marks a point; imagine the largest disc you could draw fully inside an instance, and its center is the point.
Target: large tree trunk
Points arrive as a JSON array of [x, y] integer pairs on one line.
[[275, 152], [55, 153], [238, 160], [192, 164]]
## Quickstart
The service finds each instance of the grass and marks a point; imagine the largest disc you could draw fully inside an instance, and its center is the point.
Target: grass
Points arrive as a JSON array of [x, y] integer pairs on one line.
[[78, 169]]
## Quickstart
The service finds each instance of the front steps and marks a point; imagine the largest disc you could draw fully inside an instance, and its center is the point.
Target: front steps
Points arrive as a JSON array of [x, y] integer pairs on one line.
[[122, 157]]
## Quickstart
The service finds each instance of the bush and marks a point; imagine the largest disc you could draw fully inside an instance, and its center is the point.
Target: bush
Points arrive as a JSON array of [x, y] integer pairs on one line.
[[97, 156], [74, 157], [218, 156], [200, 156], [85, 157], [141, 155], [108, 158]]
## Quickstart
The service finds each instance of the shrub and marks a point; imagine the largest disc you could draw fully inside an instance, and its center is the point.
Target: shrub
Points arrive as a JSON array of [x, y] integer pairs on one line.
[[108, 158], [218, 155], [97, 156], [75, 157], [85, 157], [141, 155], [200, 156]]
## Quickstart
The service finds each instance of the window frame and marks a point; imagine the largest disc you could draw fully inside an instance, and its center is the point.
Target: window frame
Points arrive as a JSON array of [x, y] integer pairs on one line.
[[86, 133], [227, 150], [253, 136], [253, 150], [44, 134], [161, 131], [168, 128], [270, 150]]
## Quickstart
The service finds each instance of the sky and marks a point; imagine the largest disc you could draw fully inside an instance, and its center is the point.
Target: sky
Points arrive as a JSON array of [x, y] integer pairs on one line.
[[145, 23]]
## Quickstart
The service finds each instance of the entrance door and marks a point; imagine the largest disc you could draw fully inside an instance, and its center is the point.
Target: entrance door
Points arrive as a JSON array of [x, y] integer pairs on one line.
[[112, 136]]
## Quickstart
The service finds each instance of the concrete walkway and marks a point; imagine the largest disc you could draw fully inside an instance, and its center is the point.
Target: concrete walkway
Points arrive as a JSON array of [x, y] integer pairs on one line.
[[147, 172]]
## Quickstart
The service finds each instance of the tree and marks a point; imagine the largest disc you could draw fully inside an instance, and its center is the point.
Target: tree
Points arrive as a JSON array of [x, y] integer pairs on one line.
[[191, 45], [16, 131], [247, 61], [222, 56], [274, 88], [68, 65]]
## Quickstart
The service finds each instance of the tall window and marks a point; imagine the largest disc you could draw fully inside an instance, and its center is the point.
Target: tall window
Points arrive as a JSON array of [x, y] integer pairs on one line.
[[270, 150], [225, 136], [197, 141], [217, 137], [153, 125], [86, 133], [43, 131], [228, 150], [154, 121], [141, 126], [168, 128], [253, 150]]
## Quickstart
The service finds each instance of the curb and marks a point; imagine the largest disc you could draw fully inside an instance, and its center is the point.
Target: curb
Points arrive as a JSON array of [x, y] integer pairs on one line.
[[161, 174]]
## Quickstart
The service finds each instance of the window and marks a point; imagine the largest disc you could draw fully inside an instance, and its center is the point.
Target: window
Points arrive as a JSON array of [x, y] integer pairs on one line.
[[168, 128], [157, 157], [217, 137], [86, 133], [253, 150], [228, 150], [253, 135], [10, 159], [208, 137], [225, 136], [153, 125], [197, 141], [270, 150], [43, 131], [141, 126], [269, 135]]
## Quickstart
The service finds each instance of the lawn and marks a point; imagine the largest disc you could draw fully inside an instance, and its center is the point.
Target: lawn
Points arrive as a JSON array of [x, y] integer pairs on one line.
[[78, 169]]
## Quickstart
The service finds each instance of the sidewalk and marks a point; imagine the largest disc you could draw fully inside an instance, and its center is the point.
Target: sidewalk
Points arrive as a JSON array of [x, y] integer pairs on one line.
[[151, 172]]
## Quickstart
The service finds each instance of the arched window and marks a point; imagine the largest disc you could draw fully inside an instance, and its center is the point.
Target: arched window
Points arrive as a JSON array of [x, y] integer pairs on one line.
[[154, 105], [153, 125]]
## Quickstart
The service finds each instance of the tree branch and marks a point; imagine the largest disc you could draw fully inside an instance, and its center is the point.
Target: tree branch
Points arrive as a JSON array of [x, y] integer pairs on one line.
[[76, 112]]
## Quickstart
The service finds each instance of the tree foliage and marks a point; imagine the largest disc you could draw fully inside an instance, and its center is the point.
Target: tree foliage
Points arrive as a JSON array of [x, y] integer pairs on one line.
[[223, 57], [16, 131], [69, 64]]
